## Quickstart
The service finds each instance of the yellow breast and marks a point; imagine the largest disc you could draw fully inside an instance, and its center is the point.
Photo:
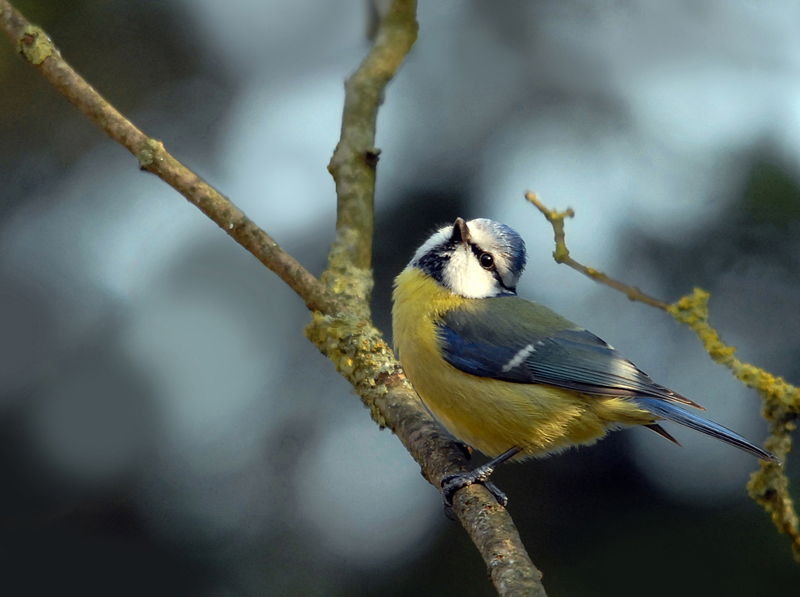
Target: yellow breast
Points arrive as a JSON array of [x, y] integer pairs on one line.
[[490, 415]]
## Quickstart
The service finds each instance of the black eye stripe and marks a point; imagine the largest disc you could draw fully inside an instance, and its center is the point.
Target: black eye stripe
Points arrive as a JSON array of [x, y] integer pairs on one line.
[[477, 251]]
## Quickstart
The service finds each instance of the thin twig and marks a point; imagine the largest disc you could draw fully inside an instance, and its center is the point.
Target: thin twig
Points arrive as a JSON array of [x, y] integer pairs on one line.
[[561, 255], [33, 43], [768, 486]]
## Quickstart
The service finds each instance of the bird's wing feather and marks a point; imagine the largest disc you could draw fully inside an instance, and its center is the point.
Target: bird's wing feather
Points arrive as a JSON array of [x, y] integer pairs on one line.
[[515, 340]]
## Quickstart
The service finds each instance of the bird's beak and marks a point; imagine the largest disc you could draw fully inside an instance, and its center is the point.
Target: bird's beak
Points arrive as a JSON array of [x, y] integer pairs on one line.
[[460, 231]]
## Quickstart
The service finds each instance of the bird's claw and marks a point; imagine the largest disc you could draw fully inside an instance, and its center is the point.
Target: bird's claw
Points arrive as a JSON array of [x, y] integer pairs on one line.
[[452, 483]]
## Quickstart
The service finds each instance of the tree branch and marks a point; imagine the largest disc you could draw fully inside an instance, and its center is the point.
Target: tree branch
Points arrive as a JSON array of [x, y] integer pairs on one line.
[[33, 43], [341, 325], [354, 162], [768, 486], [357, 348]]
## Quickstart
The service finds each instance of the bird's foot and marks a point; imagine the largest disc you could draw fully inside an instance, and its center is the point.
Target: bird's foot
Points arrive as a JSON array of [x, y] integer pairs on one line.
[[452, 483]]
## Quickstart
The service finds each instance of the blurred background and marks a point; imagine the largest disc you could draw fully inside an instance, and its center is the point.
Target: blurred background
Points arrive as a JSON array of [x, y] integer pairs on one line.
[[165, 429]]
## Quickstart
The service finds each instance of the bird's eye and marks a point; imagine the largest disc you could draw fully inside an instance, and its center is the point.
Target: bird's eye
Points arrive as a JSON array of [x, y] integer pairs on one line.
[[486, 261]]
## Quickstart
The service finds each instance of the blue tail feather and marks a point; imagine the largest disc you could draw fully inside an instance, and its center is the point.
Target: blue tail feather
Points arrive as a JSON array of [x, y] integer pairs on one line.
[[676, 414]]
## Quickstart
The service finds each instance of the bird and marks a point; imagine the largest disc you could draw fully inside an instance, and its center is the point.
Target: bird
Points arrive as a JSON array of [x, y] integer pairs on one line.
[[508, 376]]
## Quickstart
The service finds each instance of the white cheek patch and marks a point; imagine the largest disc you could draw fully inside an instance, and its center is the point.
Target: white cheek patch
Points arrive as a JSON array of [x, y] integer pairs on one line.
[[464, 276]]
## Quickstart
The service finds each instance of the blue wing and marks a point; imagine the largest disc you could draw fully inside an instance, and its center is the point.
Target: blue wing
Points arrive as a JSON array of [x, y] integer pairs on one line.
[[516, 340]]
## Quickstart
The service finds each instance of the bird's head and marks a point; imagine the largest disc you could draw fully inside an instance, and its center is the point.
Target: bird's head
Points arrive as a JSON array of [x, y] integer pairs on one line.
[[476, 259]]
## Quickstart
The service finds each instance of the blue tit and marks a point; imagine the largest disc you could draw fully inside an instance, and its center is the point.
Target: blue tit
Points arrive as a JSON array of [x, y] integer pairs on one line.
[[508, 376]]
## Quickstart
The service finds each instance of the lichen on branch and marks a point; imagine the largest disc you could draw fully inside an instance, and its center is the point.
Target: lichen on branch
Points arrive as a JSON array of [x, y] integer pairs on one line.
[[769, 485]]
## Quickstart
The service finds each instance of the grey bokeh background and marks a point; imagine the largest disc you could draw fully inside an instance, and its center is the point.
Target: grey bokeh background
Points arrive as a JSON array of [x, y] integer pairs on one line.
[[165, 428]]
